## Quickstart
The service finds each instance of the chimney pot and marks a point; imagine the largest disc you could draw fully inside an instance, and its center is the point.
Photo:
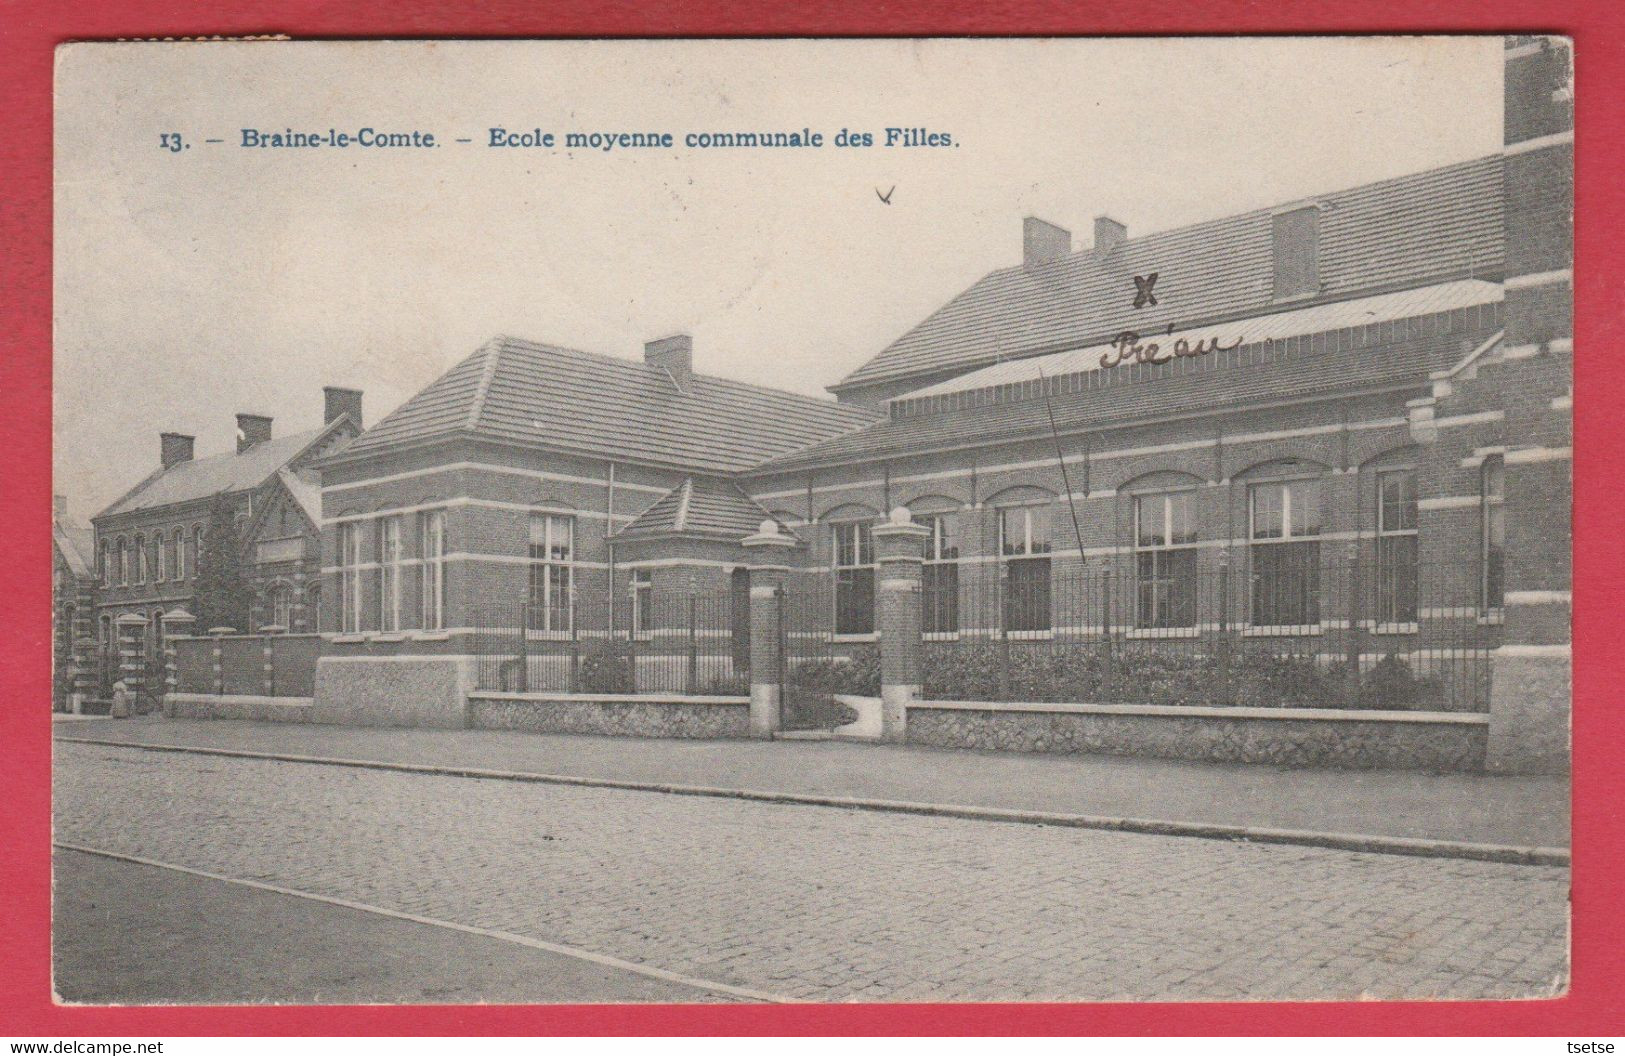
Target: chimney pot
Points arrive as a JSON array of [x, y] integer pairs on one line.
[[174, 448], [675, 354], [1109, 234], [337, 401], [252, 429], [1042, 241]]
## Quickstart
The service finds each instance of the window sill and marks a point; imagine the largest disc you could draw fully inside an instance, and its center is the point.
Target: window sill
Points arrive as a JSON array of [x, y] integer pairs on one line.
[[389, 636], [1029, 636], [1492, 618], [1289, 631], [855, 638], [941, 636], [547, 636], [431, 636], [1163, 632], [1391, 628], [348, 638]]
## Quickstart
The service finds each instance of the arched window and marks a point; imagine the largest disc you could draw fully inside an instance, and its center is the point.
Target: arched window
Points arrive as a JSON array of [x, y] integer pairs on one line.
[[105, 556], [939, 580], [1396, 546], [197, 548], [281, 606], [1492, 542], [123, 562], [1024, 550], [1165, 559], [1284, 544], [160, 556], [313, 607], [854, 569], [140, 559], [178, 548]]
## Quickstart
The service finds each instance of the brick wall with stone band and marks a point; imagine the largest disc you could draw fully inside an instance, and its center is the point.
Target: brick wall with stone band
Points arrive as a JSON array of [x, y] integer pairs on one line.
[[681, 717], [772, 552], [899, 555]]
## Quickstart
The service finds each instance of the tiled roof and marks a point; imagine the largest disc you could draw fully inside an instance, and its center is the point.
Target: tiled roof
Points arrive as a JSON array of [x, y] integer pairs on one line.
[[202, 477], [609, 407], [1212, 383], [1413, 230], [78, 546], [700, 505]]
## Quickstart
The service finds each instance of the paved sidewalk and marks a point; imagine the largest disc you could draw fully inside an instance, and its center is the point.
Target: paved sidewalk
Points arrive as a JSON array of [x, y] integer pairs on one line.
[[1476, 808]]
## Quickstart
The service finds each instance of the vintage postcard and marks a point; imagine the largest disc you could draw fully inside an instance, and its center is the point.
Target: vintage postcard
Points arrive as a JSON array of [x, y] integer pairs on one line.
[[893, 520]]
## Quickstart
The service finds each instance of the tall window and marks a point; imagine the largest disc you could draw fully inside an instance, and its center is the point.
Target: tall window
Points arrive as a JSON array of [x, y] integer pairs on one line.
[[197, 548], [1492, 494], [939, 582], [432, 548], [350, 577], [1396, 546], [313, 607], [642, 599], [160, 557], [389, 574], [140, 559], [123, 562], [107, 563], [1297, 248], [1285, 553], [1165, 560], [282, 607], [552, 551], [178, 548], [1024, 546], [854, 579]]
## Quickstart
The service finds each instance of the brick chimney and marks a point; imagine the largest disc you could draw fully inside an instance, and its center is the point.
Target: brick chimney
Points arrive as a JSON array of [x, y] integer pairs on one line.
[[1042, 241], [1109, 234], [252, 429], [676, 354], [174, 448], [337, 401]]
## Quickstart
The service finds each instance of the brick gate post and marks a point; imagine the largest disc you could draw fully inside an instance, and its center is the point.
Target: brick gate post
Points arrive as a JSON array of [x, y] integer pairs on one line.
[[131, 630], [900, 555], [177, 623], [770, 551]]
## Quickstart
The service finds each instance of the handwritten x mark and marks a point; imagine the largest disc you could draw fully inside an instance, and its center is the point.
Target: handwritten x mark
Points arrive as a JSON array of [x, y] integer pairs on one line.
[[887, 196], [1142, 290]]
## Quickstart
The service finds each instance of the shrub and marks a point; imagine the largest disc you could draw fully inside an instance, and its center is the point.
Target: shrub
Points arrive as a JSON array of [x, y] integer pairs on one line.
[[729, 686], [604, 672], [1392, 684], [858, 676]]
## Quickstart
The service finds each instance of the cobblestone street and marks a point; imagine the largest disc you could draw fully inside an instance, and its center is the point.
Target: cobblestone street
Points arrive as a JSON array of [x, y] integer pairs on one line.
[[834, 905]]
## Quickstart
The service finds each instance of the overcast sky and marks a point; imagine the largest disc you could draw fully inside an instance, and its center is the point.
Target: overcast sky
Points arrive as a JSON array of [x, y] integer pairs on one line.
[[193, 285]]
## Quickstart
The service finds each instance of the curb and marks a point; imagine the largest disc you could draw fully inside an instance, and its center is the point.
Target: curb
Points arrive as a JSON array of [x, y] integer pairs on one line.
[[1401, 845]]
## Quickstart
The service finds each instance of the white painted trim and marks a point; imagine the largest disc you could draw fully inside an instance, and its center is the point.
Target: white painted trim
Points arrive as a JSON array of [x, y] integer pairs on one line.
[[984, 470], [1556, 139], [488, 467], [1538, 652], [607, 698], [1526, 455], [493, 504], [1449, 718], [1538, 597], [1454, 420], [1561, 344], [412, 658], [1539, 278], [1448, 502]]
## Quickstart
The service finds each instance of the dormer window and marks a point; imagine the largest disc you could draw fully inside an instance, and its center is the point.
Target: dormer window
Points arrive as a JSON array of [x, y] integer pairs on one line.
[[1297, 251]]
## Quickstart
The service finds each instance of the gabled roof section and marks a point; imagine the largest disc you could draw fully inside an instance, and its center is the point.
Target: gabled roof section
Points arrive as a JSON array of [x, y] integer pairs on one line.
[[700, 506], [607, 407], [1414, 230], [77, 544], [200, 478]]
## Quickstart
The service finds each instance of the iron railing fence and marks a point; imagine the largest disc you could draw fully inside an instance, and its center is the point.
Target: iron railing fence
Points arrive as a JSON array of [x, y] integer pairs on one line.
[[647, 642], [1284, 627]]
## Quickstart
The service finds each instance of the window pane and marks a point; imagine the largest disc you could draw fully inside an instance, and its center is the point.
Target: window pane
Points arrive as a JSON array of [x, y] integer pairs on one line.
[[1166, 589], [1305, 507], [1267, 499], [1150, 514], [1039, 518], [940, 598], [1398, 501], [1286, 584], [855, 601], [1012, 531], [1027, 601], [1396, 579], [1181, 512]]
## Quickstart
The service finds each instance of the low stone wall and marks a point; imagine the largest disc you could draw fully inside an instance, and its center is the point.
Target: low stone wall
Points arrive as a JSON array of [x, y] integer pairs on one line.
[[235, 706], [703, 718], [1284, 737], [424, 690]]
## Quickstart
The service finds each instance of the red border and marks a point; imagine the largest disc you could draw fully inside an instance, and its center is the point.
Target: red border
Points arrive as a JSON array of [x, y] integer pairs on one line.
[[33, 28]]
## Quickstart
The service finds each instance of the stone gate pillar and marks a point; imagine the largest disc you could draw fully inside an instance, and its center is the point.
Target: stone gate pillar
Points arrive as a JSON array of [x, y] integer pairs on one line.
[[900, 555], [131, 631], [84, 672], [770, 550], [177, 623]]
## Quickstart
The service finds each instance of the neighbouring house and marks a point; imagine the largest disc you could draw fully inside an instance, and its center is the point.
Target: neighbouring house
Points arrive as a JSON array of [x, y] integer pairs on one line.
[[1337, 429], [148, 542], [73, 603]]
